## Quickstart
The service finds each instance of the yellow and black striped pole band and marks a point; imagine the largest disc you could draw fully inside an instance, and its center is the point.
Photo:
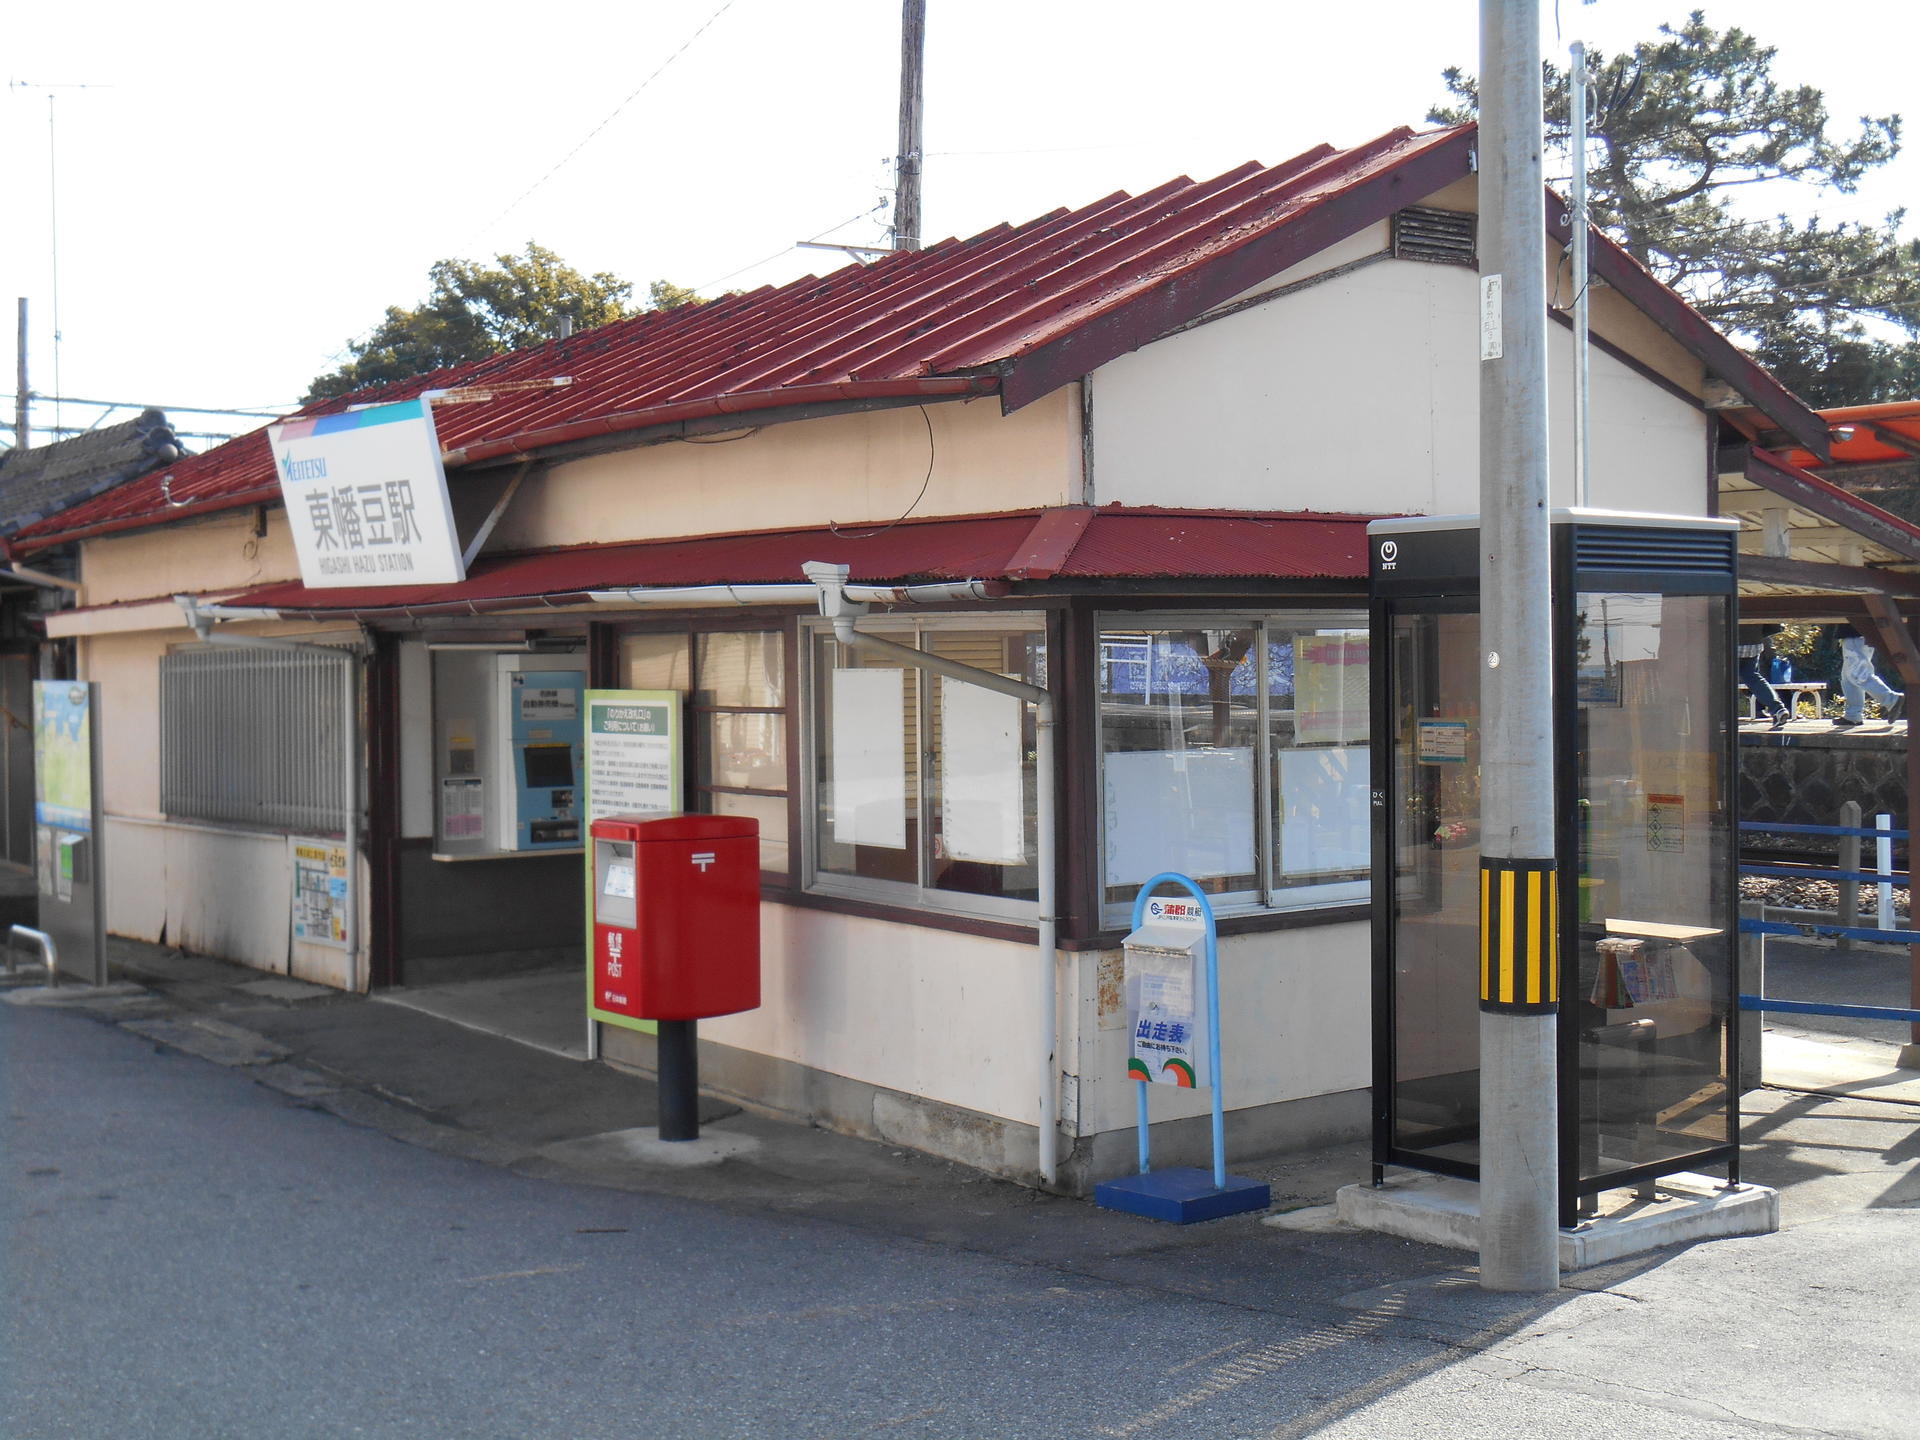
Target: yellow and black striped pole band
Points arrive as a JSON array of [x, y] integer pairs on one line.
[[1519, 923]]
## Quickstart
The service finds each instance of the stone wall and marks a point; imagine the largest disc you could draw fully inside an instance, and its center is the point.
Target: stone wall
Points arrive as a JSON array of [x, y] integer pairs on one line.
[[1805, 779]]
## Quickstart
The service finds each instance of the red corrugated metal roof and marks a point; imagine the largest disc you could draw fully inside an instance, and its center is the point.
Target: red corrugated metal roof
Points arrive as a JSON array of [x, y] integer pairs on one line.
[[952, 319], [1113, 542], [1016, 311]]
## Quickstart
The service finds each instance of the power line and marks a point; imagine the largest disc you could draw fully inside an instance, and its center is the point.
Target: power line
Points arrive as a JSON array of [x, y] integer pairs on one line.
[[609, 120], [273, 413]]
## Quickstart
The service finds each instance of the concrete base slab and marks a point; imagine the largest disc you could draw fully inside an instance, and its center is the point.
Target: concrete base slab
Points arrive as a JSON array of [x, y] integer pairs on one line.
[[1834, 1065], [297, 1081], [278, 987], [1443, 1211], [643, 1146], [1309, 1220], [213, 1040], [72, 993], [546, 1009]]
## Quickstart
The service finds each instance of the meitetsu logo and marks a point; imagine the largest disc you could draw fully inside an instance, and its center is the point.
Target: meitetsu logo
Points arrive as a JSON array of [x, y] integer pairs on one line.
[[293, 471], [1389, 554]]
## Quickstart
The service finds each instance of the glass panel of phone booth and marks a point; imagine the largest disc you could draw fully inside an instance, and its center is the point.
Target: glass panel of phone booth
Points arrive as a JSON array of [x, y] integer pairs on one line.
[[1647, 992], [1435, 690]]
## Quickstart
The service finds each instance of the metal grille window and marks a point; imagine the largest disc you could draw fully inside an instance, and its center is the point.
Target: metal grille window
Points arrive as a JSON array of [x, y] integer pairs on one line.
[[253, 737]]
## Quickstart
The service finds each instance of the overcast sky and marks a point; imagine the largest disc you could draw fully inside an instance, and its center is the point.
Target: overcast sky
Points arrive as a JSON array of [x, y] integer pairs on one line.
[[243, 188]]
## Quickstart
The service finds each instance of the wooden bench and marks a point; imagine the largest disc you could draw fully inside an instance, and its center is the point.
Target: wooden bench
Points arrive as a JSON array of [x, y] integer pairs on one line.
[[1790, 691]]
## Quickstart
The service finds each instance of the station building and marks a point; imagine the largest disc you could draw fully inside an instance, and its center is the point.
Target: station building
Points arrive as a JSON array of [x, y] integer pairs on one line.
[[1143, 438]]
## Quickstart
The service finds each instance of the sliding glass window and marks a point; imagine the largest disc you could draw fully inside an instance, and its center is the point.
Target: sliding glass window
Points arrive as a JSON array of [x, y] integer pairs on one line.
[[922, 785], [1233, 748]]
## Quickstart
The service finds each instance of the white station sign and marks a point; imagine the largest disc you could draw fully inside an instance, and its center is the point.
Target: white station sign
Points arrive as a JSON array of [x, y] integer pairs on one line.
[[366, 497]]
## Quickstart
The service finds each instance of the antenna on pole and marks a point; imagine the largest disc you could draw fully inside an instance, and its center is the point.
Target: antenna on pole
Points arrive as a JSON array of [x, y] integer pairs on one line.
[[906, 165], [53, 233], [20, 393]]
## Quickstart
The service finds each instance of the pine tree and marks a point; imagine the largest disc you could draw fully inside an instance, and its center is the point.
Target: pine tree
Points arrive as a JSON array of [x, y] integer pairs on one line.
[[1683, 123]]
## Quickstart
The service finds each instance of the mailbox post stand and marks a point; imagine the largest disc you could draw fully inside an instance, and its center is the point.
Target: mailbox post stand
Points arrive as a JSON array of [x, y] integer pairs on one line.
[[679, 1079], [1186, 1194]]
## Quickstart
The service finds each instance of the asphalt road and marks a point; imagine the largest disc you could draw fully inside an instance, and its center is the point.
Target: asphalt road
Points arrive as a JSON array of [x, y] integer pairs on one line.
[[188, 1253]]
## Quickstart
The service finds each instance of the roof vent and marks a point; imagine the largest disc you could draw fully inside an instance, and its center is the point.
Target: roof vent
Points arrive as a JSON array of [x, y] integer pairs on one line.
[[1444, 237]]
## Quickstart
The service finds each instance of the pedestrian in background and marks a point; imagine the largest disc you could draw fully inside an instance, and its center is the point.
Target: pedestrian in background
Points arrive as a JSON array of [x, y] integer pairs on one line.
[[1858, 679], [1753, 646]]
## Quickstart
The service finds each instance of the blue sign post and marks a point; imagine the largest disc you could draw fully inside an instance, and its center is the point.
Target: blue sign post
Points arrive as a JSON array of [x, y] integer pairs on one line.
[[1161, 1036]]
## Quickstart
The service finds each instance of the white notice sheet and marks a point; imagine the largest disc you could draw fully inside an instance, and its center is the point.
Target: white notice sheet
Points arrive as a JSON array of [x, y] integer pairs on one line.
[[869, 762], [982, 778]]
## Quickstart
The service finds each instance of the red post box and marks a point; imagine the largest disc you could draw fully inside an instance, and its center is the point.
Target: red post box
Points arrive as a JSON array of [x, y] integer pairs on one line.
[[676, 916]]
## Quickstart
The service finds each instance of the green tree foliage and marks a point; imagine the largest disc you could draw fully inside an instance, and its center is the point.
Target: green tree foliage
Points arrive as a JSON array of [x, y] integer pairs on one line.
[[474, 310], [1684, 123]]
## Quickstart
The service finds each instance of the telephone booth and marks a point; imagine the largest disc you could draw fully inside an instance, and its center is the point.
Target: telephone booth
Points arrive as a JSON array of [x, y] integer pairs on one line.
[[1644, 746]]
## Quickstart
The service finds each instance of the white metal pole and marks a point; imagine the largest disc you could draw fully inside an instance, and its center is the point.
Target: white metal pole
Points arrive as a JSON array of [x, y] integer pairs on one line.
[[1883, 866], [1519, 1141]]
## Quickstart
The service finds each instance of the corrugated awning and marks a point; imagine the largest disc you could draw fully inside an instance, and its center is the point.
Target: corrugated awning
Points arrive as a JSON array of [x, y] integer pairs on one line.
[[1064, 543]]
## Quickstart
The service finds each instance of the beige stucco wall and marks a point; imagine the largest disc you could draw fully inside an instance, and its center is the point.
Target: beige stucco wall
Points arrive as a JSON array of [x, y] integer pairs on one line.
[[1360, 393], [848, 469], [190, 557], [851, 469]]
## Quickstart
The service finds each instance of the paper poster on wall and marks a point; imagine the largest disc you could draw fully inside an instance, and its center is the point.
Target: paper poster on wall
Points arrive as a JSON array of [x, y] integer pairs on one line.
[[63, 755], [320, 891], [982, 774], [869, 766], [1441, 742], [1185, 810], [1667, 823], [1330, 704], [633, 752], [463, 807], [1324, 817]]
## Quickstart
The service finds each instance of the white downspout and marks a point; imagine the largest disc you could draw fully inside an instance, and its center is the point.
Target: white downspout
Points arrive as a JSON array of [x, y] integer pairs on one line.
[[830, 581]]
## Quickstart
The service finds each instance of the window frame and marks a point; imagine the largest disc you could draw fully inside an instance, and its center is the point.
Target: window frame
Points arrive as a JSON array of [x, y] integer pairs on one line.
[[688, 629], [1268, 898], [921, 896]]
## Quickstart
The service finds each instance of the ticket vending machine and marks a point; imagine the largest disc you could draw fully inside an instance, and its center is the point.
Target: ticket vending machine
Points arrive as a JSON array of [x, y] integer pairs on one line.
[[537, 730], [1645, 748]]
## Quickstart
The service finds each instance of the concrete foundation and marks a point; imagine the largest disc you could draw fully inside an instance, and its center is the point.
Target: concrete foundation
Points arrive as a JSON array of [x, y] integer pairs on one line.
[[1688, 1207]]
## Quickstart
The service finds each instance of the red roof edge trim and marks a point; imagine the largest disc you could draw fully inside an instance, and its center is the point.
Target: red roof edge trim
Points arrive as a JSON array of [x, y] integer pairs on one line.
[[1696, 333], [1432, 164], [1830, 502], [933, 387]]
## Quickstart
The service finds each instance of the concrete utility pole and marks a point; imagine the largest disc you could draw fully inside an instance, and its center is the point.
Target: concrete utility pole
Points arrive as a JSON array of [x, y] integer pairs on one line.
[[20, 383], [1519, 1150], [906, 165]]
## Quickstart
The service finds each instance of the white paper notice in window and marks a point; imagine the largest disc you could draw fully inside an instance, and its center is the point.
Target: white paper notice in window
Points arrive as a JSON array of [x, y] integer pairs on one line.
[[1184, 810], [869, 772], [1324, 820], [981, 782]]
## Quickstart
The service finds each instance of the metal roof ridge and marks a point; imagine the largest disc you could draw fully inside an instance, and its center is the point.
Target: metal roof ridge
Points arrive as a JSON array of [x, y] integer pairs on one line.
[[1258, 213]]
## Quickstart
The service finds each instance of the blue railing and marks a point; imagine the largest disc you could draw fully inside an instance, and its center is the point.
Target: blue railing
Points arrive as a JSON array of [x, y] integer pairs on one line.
[[1803, 929]]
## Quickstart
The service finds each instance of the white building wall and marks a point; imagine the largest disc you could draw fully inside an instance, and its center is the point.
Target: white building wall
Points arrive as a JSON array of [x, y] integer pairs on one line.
[[1360, 394]]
